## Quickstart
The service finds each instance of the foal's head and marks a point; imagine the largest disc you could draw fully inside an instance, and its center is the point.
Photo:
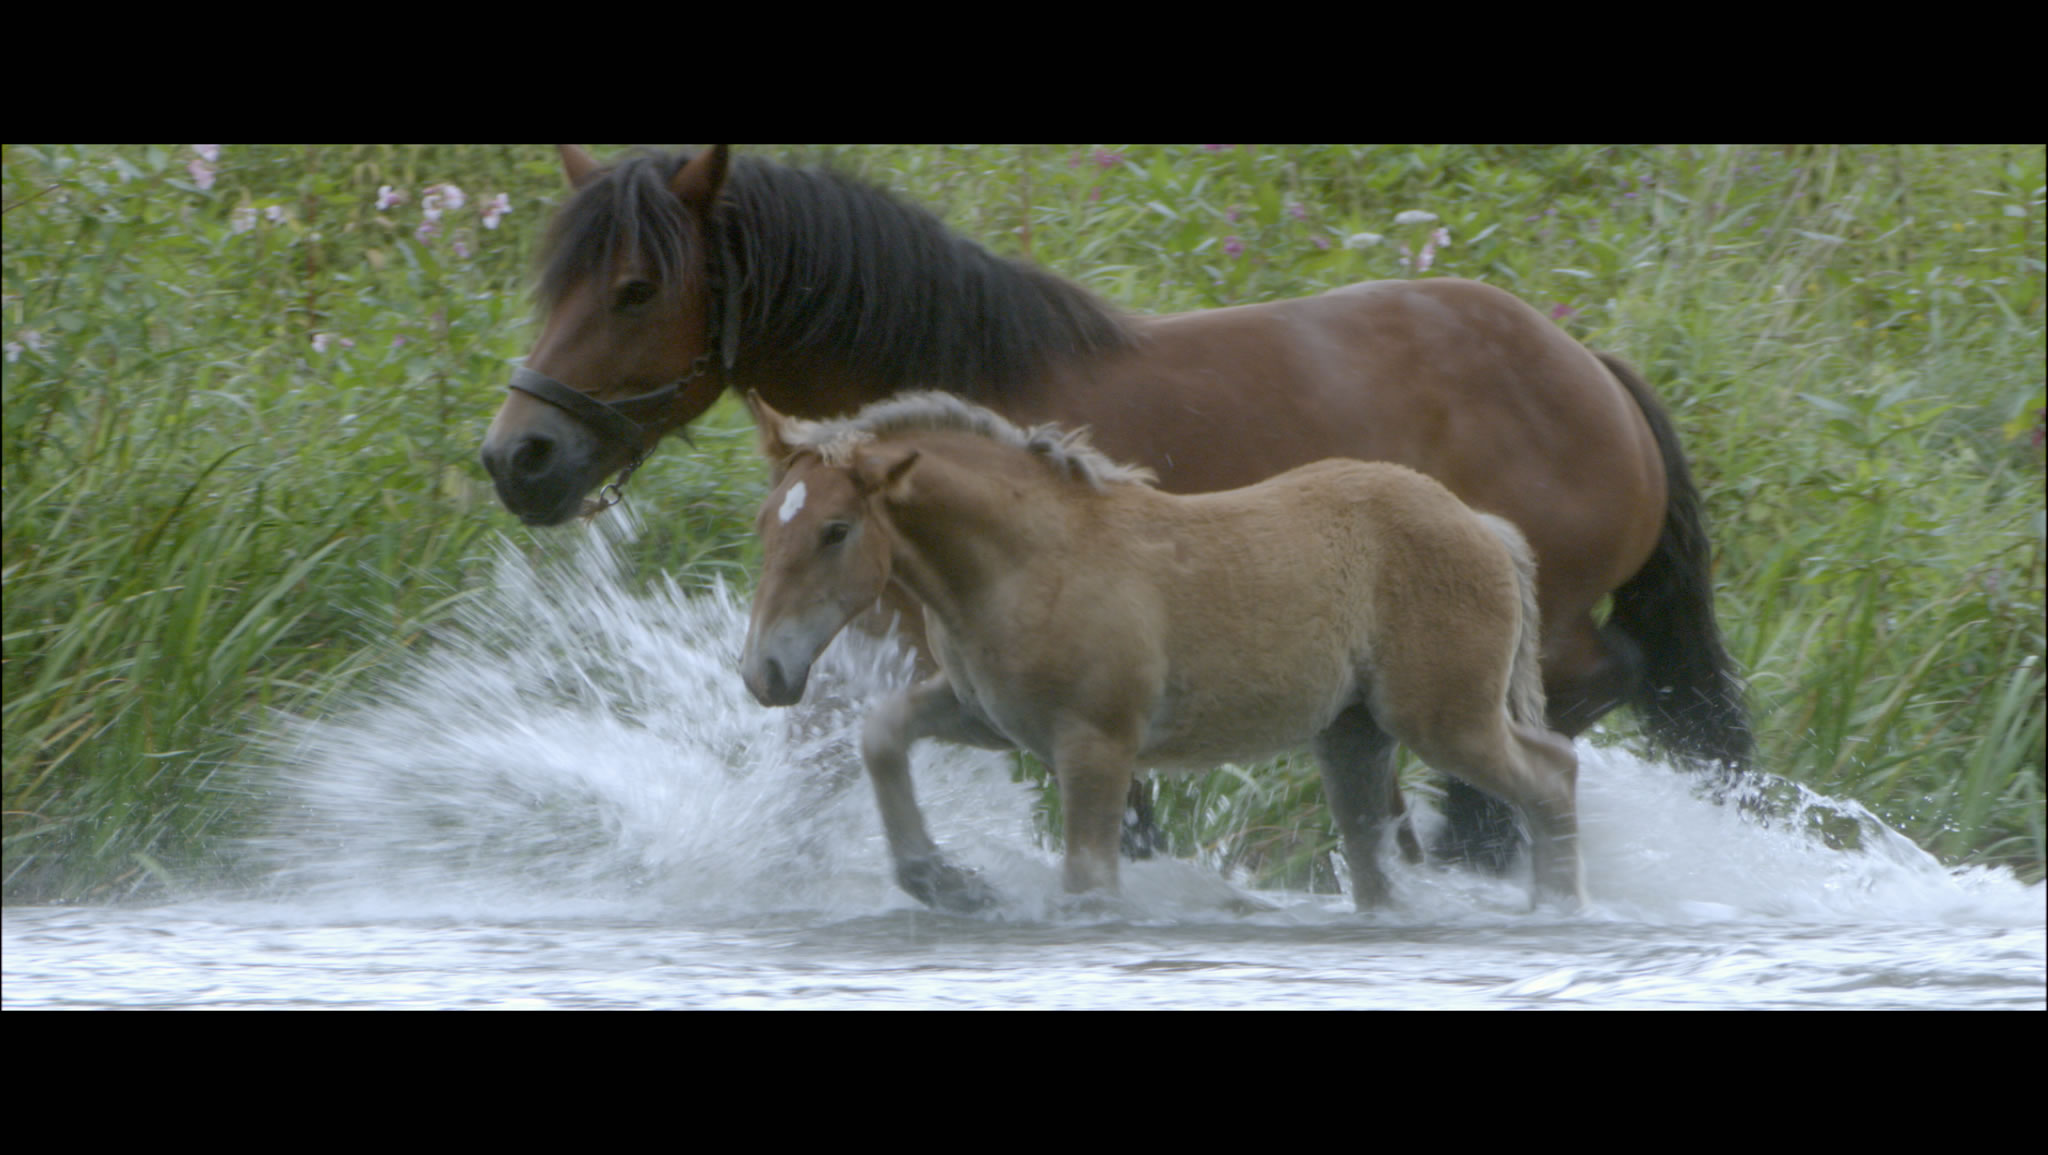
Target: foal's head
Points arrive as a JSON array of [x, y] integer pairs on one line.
[[825, 550]]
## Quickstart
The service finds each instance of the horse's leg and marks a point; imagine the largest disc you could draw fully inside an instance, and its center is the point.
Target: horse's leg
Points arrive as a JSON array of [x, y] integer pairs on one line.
[[1357, 759], [1479, 830], [1587, 671], [928, 709], [1141, 836], [1094, 771]]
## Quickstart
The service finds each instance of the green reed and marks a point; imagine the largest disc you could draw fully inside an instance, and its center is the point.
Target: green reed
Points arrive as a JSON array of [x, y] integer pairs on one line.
[[241, 422]]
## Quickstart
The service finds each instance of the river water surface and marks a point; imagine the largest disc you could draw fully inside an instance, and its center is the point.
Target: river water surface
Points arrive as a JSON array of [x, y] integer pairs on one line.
[[572, 802]]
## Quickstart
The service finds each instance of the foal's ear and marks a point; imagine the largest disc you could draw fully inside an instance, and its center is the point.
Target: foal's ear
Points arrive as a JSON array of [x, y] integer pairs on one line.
[[696, 184], [578, 165], [884, 469], [773, 431]]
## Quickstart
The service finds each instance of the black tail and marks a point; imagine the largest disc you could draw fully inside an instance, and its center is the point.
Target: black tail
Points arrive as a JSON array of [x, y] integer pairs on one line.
[[1690, 698]]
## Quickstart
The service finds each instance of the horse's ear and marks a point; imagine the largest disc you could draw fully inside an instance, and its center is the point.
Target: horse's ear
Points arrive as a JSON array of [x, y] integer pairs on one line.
[[697, 183], [577, 163], [884, 469]]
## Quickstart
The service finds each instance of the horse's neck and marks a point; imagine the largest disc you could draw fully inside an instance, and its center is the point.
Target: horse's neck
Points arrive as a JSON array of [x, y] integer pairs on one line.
[[814, 386]]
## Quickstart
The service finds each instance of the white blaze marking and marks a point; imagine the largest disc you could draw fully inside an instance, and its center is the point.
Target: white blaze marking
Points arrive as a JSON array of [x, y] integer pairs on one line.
[[792, 503]]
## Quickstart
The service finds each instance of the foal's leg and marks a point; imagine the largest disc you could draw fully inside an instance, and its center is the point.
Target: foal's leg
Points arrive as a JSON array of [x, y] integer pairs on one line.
[[927, 710], [1550, 760], [1094, 770], [1357, 758], [1587, 671], [1532, 768]]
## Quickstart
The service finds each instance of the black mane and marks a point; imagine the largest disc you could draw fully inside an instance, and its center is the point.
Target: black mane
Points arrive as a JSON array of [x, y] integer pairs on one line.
[[629, 210], [810, 260]]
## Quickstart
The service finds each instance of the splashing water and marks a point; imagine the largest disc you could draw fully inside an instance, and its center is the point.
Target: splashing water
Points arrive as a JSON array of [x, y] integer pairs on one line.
[[576, 742], [571, 801]]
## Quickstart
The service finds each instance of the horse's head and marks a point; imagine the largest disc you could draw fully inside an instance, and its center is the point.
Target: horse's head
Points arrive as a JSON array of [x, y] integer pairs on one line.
[[625, 353], [825, 552]]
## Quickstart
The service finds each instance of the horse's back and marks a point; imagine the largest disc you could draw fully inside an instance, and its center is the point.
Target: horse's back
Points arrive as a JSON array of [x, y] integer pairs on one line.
[[1456, 379]]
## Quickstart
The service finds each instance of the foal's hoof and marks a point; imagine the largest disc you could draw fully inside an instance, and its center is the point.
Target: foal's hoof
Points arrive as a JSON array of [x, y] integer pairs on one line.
[[942, 886]]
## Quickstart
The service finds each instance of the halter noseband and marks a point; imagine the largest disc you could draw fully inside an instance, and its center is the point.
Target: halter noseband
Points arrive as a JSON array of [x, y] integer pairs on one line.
[[621, 422]]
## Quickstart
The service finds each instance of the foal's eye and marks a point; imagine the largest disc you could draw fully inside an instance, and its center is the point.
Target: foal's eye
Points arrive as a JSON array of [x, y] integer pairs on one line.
[[834, 533], [636, 293]]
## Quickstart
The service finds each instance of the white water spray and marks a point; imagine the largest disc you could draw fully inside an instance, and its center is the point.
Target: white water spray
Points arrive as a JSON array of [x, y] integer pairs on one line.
[[574, 746]]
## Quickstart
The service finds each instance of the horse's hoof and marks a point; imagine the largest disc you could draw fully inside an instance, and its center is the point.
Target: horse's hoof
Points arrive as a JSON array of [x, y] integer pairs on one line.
[[942, 886]]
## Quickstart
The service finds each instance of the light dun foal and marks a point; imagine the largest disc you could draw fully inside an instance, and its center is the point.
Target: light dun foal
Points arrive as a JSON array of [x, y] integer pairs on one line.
[[1081, 614]]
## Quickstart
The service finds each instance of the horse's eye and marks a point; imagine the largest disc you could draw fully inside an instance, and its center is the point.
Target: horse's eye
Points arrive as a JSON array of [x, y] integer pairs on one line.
[[834, 533], [636, 293]]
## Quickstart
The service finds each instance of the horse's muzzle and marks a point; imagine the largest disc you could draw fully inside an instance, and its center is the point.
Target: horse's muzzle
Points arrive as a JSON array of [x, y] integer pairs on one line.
[[542, 475]]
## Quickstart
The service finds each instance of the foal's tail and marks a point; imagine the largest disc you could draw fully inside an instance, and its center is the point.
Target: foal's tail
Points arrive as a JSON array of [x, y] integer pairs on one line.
[[1525, 678], [1690, 700]]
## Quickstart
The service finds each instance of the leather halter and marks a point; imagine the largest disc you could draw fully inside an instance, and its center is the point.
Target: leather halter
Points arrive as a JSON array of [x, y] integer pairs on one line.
[[624, 422], [628, 422]]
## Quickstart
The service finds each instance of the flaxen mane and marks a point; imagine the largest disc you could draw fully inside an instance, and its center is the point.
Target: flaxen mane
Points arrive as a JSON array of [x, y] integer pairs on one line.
[[1066, 452]]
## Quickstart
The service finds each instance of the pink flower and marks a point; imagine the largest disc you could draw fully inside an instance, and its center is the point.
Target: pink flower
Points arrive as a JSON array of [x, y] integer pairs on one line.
[[202, 167], [1298, 211], [1104, 158], [274, 214], [1560, 311], [321, 341], [389, 198], [495, 209], [429, 228], [461, 248], [1437, 239], [1233, 246]]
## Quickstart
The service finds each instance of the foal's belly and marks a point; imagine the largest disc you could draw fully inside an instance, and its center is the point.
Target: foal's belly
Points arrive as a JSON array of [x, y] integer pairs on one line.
[[1197, 729]]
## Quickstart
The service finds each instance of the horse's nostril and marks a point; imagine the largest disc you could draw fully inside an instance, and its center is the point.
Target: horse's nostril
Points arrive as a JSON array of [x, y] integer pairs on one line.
[[532, 457]]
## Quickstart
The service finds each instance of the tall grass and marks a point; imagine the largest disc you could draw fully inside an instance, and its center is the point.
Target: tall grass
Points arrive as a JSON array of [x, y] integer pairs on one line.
[[242, 401]]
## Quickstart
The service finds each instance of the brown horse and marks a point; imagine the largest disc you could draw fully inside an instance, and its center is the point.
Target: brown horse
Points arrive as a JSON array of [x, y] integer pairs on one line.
[[1081, 614], [668, 279]]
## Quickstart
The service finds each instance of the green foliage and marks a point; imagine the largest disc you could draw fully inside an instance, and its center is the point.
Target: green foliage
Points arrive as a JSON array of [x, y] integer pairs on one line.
[[240, 425]]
